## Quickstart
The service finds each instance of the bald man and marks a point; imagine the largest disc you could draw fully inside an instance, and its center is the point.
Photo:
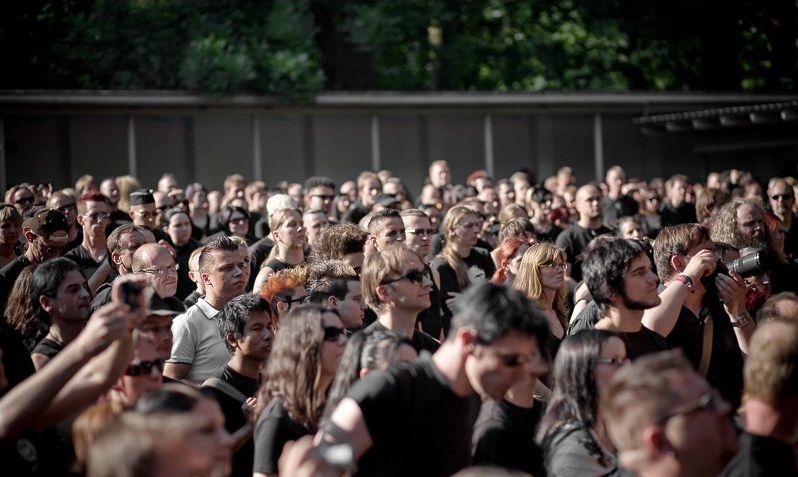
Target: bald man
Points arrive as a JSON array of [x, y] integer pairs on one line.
[[575, 238], [159, 268]]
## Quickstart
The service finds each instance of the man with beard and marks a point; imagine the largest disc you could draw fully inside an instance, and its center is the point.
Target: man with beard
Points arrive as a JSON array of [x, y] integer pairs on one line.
[[59, 296], [575, 238], [245, 325], [428, 408], [198, 352], [620, 278], [739, 223]]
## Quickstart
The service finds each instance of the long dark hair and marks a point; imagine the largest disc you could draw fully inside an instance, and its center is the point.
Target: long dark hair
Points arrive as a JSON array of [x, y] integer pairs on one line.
[[574, 398], [293, 372]]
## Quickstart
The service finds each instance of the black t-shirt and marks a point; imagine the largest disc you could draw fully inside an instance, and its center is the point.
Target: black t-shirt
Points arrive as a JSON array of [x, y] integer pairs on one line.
[[103, 296], [437, 245], [762, 456], [34, 454], [16, 359], [184, 284], [574, 240], [48, 347], [356, 213], [273, 430], [430, 319], [192, 299], [725, 371], [684, 214], [417, 424], [73, 243], [504, 436], [548, 235], [234, 417], [9, 275], [643, 342], [276, 264], [81, 256], [480, 269], [421, 341]]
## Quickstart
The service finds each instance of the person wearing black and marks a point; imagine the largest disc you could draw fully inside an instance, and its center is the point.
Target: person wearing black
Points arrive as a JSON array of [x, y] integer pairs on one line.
[[122, 244], [396, 286], [301, 367], [66, 205], [245, 326], [781, 198], [368, 186], [675, 209], [47, 234], [771, 404], [143, 213], [59, 296], [418, 236], [93, 216], [417, 419], [575, 238], [335, 284], [289, 249], [620, 278], [713, 334], [178, 226], [460, 264]]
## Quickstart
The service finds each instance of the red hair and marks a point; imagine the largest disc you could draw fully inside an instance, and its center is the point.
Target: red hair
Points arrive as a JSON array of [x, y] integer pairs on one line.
[[507, 250]]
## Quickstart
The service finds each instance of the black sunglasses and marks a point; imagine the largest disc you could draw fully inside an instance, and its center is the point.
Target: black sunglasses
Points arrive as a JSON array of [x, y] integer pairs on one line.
[[415, 276], [144, 368], [781, 196], [332, 333], [24, 200]]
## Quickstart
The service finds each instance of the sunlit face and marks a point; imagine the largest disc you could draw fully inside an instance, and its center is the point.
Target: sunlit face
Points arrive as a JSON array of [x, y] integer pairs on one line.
[[750, 224], [418, 234], [440, 176], [257, 338], [506, 194], [352, 308], [157, 330], [369, 191], [630, 229], [677, 193], [239, 226], [161, 274], [291, 232], [782, 199], [72, 299], [313, 224], [640, 285], [408, 294], [109, 189], [493, 368], [96, 218], [23, 200], [144, 215], [392, 230], [320, 198], [66, 205], [588, 202], [467, 231], [227, 275], [613, 349]]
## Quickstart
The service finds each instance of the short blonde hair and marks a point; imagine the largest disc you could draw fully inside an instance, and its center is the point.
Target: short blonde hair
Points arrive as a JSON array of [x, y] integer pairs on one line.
[[378, 267]]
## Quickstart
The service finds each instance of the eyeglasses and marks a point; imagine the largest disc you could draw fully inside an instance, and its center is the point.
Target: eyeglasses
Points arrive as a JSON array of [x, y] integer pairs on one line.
[[555, 266], [24, 200], [324, 197], [415, 276], [617, 362], [96, 217], [422, 232], [144, 368], [162, 270], [333, 333], [709, 401], [785, 197]]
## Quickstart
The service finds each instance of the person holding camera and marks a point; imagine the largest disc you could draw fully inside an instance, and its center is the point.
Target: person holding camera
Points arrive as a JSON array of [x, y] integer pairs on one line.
[[702, 311]]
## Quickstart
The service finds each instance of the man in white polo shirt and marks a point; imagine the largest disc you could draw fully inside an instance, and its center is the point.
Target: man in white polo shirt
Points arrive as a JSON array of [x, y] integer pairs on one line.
[[198, 351]]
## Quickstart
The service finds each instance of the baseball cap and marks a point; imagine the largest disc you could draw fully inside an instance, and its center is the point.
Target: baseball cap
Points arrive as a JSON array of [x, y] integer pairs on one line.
[[49, 224]]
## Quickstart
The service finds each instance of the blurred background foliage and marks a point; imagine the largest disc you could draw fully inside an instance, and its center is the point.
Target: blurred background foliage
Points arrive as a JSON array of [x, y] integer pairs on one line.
[[297, 48]]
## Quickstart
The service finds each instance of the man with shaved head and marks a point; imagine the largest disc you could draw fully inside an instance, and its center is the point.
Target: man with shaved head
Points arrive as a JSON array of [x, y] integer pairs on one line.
[[575, 238], [159, 268]]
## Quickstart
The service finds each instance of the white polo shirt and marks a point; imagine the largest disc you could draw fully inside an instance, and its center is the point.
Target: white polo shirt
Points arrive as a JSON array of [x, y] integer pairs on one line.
[[196, 341]]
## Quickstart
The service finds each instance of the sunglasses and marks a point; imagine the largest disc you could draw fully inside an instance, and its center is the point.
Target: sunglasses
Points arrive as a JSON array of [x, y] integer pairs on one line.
[[24, 200], [324, 196], [415, 276], [332, 333], [144, 368], [781, 196], [422, 232]]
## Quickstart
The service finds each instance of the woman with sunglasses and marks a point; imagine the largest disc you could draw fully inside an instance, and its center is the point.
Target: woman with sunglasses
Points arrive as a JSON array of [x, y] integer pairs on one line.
[[301, 367], [460, 263], [572, 432], [541, 276]]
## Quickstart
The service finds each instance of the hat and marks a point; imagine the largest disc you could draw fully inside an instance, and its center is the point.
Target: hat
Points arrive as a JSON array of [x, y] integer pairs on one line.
[[141, 197], [50, 224], [386, 200], [169, 306]]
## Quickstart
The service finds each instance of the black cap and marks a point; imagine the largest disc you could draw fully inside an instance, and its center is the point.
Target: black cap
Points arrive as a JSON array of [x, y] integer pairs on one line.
[[48, 223], [141, 197]]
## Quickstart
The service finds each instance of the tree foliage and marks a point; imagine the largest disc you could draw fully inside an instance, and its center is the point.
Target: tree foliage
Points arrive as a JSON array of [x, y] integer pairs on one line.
[[296, 48]]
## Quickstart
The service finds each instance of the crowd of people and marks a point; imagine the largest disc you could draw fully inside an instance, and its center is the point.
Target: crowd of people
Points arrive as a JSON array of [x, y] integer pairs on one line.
[[493, 328]]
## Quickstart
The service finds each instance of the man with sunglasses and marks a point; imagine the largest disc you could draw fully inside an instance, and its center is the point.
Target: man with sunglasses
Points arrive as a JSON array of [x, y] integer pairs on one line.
[[143, 375], [418, 419], [47, 234], [781, 198], [666, 421], [144, 213], [66, 205], [396, 286], [319, 194]]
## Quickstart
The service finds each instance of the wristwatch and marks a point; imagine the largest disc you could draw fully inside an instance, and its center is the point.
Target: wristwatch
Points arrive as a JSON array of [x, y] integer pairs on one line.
[[742, 320], [684, 280]]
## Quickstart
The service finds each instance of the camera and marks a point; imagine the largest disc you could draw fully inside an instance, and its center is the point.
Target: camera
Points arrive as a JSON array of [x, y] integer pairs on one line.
[[750, 265]]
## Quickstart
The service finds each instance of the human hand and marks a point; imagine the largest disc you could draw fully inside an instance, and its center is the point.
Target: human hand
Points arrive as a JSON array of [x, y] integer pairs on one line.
[[700, 265], [731, 291], [130, 290], [105, 326], [452, 300]]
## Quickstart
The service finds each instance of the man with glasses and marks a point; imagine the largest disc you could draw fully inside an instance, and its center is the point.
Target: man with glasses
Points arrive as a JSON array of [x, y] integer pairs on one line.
[[386, 227], [781, 198], [665, 419], [198, 352], [428, 408], [319, 194], [144, 214], [46, 233], [418, 238], [396, 286], [575, 238], [94, 211], [66, 205], [23, 199], [622, 282], [159, 269]]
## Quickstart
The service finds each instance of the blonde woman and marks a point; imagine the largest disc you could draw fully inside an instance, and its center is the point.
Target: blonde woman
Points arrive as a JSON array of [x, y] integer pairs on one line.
[[289, 237], [460, 263], [541, 276]]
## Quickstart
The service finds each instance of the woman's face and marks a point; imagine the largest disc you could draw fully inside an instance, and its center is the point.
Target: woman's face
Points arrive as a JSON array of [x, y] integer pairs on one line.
[[512, 267], [332, 348], [552, 274], [239, 226], [467, 231], [179, 229], [292, 232], [9, 232], [611, 358]]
